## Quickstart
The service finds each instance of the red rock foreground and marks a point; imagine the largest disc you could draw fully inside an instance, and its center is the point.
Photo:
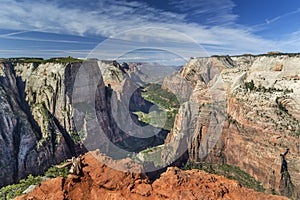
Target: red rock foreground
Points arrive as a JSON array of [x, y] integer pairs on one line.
[[103, 183]]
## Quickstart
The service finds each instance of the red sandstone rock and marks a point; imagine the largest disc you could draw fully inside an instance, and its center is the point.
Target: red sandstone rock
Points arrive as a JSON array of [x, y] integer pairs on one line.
[[101, 182]]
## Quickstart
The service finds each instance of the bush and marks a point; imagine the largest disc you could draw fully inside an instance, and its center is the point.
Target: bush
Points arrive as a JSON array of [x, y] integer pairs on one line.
[[250, 85], [68, 59], [12, 191], [53, 172]]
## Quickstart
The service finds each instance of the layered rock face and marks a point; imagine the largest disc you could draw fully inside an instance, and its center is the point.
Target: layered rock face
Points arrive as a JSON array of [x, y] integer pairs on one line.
[[102, 182], [256, 123], [35, 118], [37, 126], [52, 111]]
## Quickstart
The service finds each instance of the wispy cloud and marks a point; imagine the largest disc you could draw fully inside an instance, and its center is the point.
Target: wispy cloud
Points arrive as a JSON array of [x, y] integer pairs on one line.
[[218, 31], [211, 12], [6, 35], [12, 37], [268, 21]]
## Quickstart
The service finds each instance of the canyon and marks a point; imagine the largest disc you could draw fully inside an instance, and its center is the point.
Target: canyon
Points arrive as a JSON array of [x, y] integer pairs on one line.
[[236, 110], [39, 115]]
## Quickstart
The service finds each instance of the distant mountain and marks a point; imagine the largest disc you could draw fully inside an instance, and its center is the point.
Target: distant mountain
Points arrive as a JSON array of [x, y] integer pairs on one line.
[[152, 72]]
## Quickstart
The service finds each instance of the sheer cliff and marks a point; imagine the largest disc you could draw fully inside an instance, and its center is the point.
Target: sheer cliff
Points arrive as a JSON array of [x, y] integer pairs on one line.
[[246, 114], [35, 118], [43, 121]]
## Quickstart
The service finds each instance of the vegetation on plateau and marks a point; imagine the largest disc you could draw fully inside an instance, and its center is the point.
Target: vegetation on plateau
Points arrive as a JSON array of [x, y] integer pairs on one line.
[[167, 103], [228, 171], [251, 86], [64, 60]]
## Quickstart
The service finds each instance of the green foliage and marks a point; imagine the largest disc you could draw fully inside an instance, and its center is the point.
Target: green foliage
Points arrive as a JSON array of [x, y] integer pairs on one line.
[[53, 172], [68, 59], [154, 154], [154, 93], [26, 60], [273, 53], [250, 85], [230, 172], [281, 107], [77, 136], [34, 60], [296, 133], [166, 101], [273, 191], [11, 191]]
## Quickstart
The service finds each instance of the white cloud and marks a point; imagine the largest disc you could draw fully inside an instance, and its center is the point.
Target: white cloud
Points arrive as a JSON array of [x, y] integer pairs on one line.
[[13, 37], [268, 21], [212, 12], [110, 18]]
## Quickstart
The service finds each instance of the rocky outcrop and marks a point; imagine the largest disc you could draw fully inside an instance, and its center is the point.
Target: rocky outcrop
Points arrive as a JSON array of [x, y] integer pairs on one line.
[[101, 182], [286, 186], [261, 115]]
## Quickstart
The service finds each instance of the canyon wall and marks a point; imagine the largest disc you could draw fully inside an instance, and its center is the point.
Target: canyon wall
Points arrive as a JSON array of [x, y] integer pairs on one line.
[[35, 118], [255, 101], [53, 111], [241, 110]]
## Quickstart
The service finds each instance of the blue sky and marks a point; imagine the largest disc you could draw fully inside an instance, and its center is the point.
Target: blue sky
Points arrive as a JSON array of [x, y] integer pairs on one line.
[[187, 28]]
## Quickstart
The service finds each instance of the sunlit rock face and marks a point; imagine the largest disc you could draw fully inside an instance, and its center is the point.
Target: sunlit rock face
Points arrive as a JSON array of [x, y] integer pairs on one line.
[[261, 115], [35, 118]]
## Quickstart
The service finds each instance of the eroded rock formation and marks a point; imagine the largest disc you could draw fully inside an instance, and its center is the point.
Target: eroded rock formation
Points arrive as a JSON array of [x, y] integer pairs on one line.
[[102, 182]]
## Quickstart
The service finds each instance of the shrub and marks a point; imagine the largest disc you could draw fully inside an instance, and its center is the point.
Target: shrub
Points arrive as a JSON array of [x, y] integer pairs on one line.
[[250, 85], [12, 191]]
